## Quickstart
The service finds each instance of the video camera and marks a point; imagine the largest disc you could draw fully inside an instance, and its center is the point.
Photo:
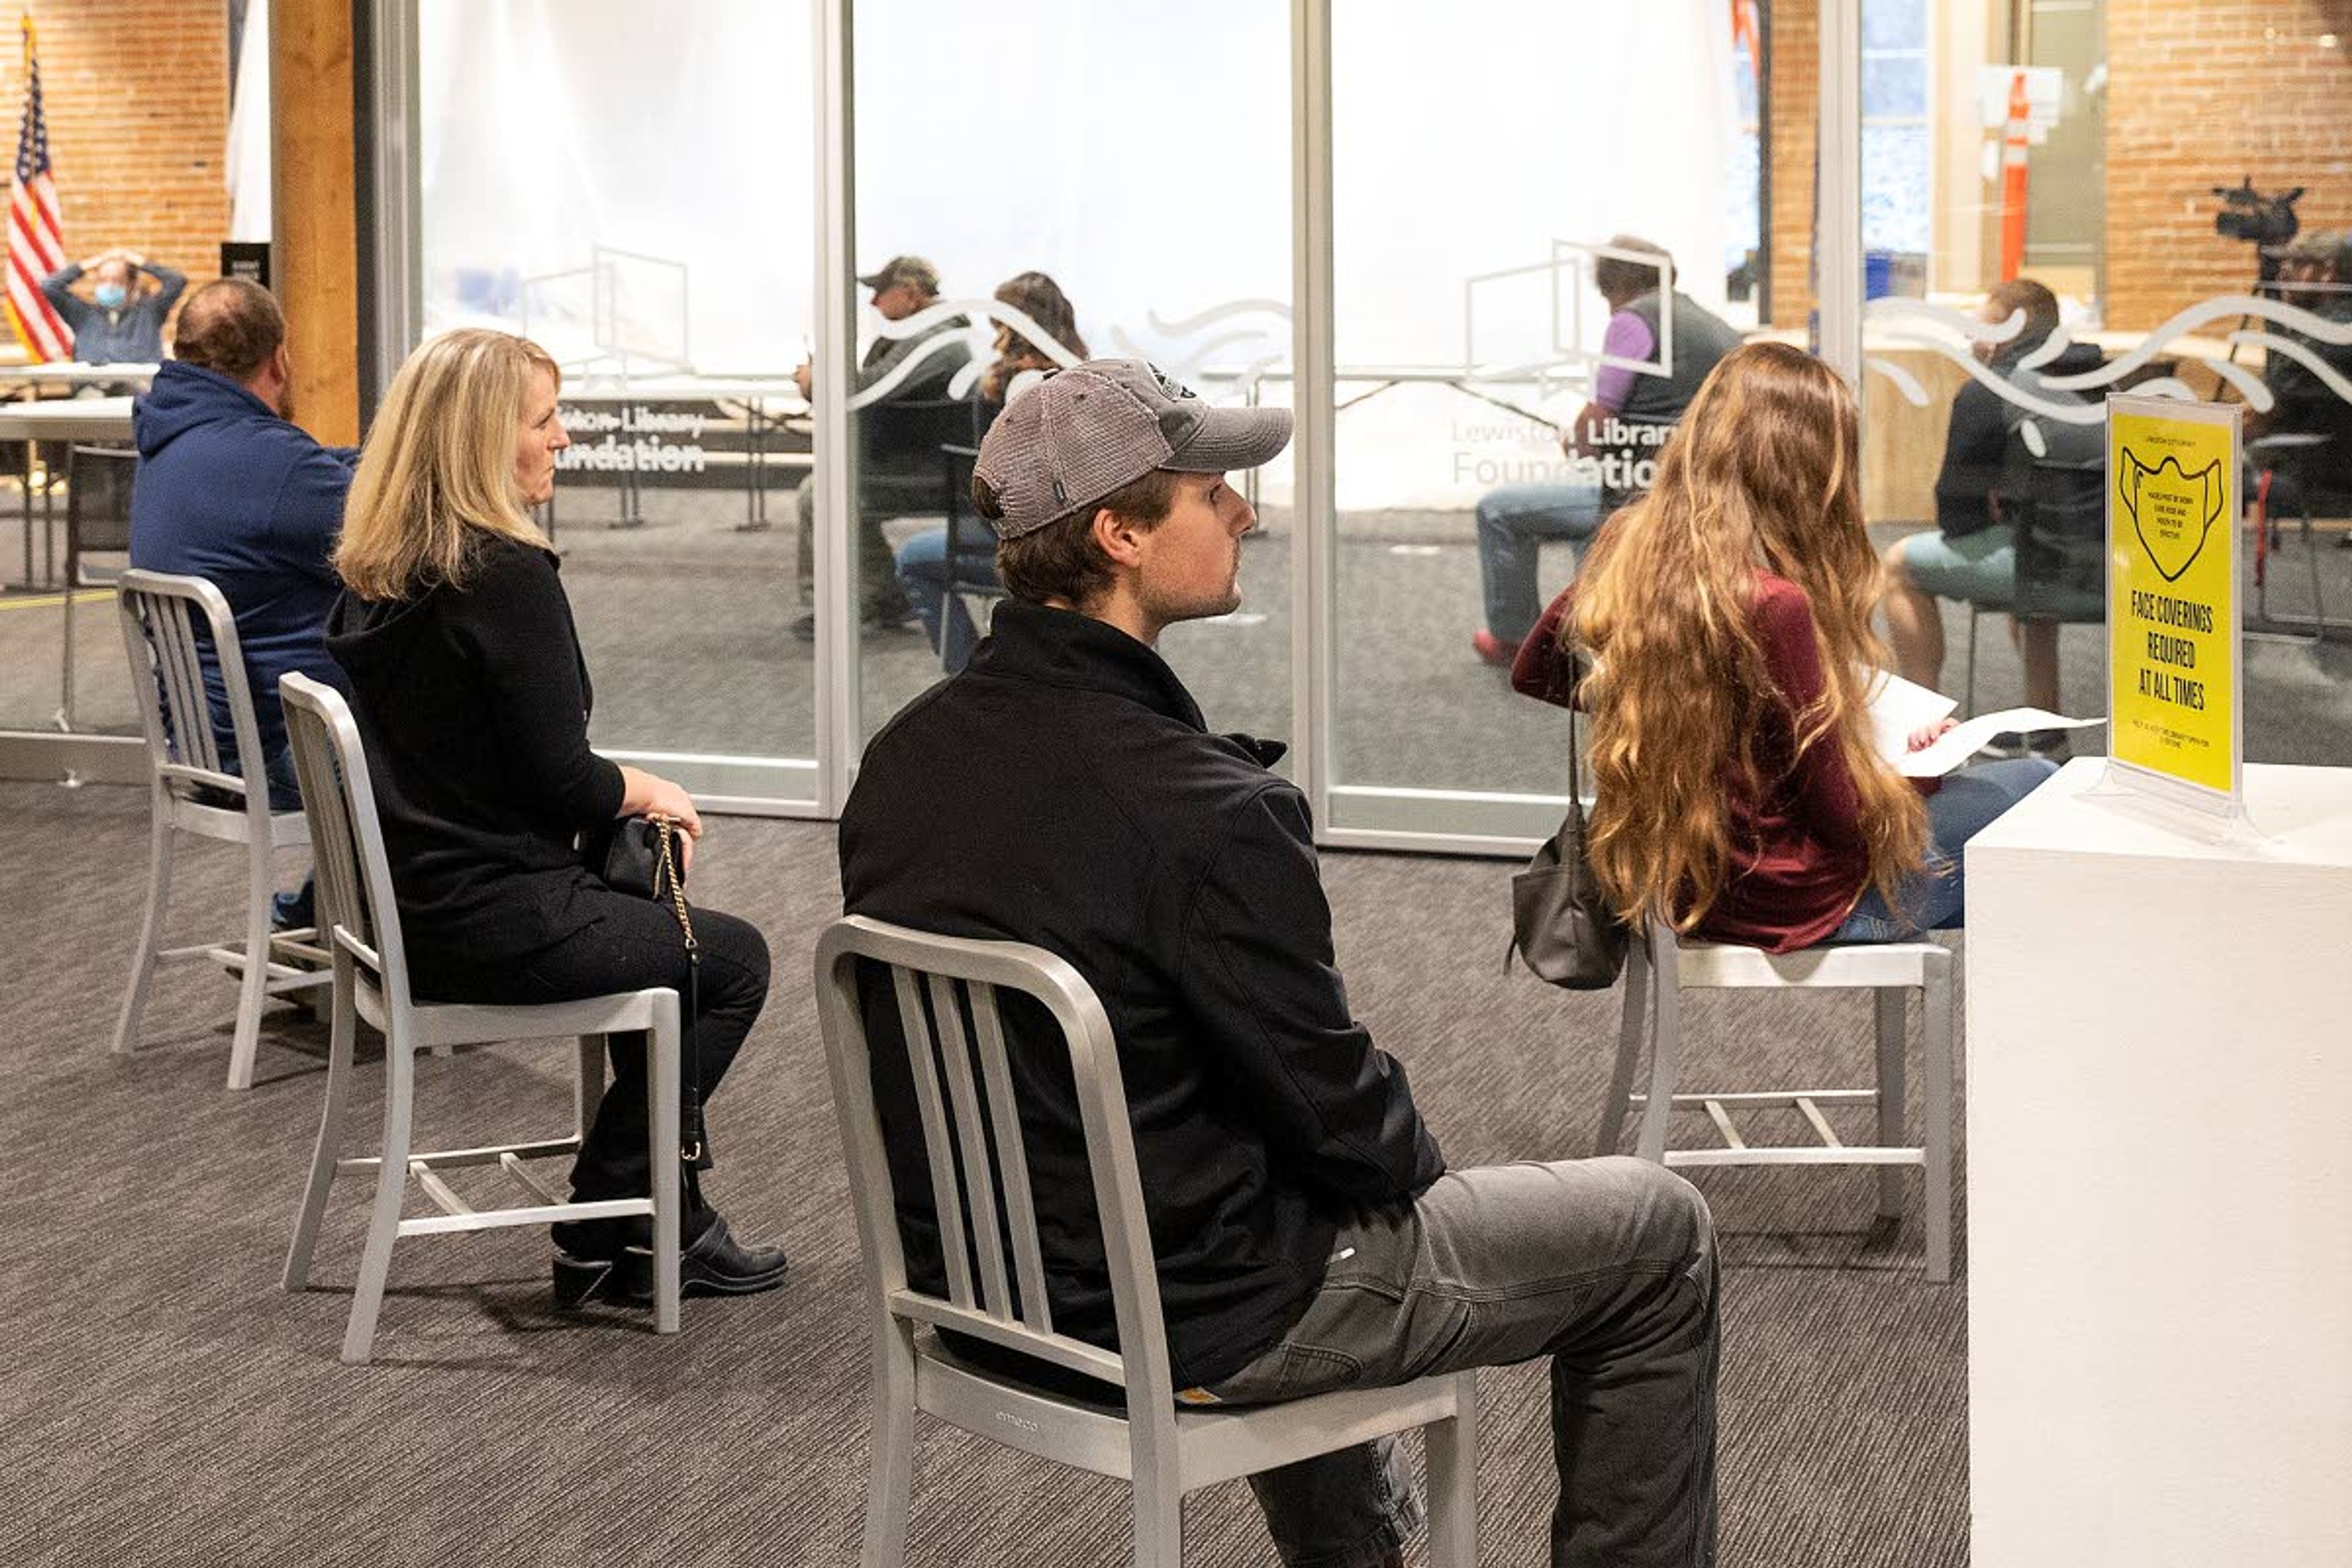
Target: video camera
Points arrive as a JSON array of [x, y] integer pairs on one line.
[[2264, 222]]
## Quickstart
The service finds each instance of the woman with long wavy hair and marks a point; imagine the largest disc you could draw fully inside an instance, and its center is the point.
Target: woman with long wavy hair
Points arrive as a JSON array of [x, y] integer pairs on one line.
[[1722, 627], [473, 701]]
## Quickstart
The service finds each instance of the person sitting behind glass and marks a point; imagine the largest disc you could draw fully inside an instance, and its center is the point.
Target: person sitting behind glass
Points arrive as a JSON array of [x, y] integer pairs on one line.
[[2314, 275], [1724, 620], [921, 368], [1970, 557], [473, 699], [922, 559], [1610, 443], [121, 323]]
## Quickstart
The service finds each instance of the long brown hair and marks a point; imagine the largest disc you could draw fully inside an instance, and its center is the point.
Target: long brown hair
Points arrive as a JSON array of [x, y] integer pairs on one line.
[[439, 465], [1040, 299], [1760, 475]]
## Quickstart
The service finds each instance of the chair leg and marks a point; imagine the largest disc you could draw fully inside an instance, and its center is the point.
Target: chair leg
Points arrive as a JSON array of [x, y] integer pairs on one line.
[[589, 1094], [1454, 1483], [1665, 1051], [1969, 688], [151, 929], [1936, 1140], [1159, 1518], [663, 1135], [891, 1489], [345, 1028], [391, 1188], [2311, 560], [253, 995], [1629, 1046], [1891, 1008]]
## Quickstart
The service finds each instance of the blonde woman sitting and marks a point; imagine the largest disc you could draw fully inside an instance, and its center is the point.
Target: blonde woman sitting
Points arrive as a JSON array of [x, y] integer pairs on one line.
[[1724, 622], [473, 700]]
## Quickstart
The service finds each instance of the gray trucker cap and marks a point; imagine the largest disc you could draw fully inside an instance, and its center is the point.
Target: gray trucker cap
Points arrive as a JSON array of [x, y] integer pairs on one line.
[[1082, 433]]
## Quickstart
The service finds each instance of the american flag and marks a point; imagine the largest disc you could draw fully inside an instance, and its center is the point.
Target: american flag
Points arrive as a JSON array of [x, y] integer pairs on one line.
[[36, 241]]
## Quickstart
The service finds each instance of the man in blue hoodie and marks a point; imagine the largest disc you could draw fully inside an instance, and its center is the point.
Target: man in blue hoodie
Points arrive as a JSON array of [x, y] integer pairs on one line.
[[229, 492]]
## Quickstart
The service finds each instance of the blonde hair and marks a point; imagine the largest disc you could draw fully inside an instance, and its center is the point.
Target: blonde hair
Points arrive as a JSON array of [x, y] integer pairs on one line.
[[439, 463], [1760, 475]]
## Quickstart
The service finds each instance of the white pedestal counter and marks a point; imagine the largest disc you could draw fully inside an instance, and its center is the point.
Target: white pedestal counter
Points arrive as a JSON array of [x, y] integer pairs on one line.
[[2160, 1183]]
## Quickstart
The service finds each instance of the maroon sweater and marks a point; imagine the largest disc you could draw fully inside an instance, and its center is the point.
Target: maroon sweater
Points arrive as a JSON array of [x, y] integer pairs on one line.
[[1797, 859]]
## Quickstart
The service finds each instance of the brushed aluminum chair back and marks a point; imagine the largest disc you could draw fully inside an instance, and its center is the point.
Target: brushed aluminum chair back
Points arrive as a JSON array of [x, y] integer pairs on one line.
[[946, 992], [361, 919], [168, 623]]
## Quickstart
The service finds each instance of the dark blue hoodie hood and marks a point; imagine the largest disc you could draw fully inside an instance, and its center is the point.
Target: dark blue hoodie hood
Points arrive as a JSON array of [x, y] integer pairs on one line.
[[183, 397], [230, 492]]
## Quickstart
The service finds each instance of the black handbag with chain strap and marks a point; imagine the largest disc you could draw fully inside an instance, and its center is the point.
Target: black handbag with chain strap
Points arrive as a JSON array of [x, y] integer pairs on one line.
[[639, 856], [1563, 926]]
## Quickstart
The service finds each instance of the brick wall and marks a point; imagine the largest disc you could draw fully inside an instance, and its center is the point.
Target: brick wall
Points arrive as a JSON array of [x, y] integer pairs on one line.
[[2205, 94], [2200, 93], [137, 94], [1795, 111]]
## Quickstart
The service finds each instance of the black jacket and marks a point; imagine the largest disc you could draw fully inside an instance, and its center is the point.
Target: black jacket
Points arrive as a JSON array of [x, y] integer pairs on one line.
[[1978, 442], [1063, 791], [473, 706]]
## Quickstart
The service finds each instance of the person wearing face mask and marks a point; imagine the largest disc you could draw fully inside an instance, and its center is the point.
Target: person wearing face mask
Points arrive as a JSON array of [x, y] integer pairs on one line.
[[121, 323], [473, 701]]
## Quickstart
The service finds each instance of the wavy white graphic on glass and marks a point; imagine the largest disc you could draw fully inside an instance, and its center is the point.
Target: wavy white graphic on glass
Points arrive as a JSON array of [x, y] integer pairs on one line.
[[1192, 358], [981, 317], [1916, 322]]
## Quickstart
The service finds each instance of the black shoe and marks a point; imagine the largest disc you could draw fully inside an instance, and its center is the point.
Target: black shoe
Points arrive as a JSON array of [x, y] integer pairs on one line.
[[2013, 746], [717, 1265], [713, 1264]]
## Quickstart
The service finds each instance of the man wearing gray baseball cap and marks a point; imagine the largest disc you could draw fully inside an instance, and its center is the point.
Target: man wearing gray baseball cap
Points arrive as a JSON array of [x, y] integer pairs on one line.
[[1065, 791]]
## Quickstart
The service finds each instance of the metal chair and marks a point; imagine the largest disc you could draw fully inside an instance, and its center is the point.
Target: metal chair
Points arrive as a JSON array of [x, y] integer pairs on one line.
[[2291, 456], [370, 978], [195, 791], [1660, 965], [2060, 526], [1143, 1437]]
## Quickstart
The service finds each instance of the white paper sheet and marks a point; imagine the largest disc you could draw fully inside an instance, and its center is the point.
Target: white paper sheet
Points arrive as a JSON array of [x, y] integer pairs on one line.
[[1897, 708], [1962, 741]]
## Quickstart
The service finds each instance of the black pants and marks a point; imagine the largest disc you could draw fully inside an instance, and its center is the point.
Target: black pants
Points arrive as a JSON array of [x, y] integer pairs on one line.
[[635, 946]]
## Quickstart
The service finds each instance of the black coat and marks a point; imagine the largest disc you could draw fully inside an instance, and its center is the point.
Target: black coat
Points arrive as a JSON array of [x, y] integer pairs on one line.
[[1063, 791], [473, 707]]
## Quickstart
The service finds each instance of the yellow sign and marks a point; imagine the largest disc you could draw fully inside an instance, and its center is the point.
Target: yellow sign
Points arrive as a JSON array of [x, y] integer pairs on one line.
[[2172, 590]]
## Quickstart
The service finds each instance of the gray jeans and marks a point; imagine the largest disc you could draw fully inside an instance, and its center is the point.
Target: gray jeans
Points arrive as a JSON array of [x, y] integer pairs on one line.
[[1607, 1266]]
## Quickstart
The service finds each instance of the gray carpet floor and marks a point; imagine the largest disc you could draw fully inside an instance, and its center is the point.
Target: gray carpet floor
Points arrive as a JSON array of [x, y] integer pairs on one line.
[[164, 1403]]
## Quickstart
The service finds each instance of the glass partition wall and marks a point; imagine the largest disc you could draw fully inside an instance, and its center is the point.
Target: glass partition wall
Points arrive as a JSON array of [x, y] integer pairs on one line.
[[1391, 225], [1481, 175], [630, 197], [2106, 196], [1036, 181], [189, 117]]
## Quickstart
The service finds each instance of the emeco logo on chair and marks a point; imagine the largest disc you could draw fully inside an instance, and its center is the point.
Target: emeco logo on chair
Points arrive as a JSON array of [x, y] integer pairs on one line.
[[1022, 1421]]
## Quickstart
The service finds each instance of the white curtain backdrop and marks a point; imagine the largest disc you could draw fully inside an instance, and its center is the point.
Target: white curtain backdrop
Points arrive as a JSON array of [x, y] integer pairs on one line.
[[1141, 153], [246, 165]]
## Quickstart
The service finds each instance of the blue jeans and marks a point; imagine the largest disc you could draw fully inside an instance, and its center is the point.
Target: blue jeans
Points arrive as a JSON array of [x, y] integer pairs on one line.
[[1935, 898], [922, 564], [1512, 524], [296, 909], [1606, 1266]]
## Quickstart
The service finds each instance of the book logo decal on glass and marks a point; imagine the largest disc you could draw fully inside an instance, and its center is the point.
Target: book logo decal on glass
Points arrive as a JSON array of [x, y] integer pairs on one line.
[[2171, 510]]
